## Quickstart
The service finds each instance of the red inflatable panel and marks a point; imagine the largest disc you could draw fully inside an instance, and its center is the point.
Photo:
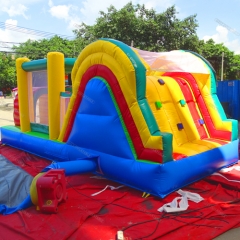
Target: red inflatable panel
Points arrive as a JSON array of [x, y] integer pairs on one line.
[[16, 112]]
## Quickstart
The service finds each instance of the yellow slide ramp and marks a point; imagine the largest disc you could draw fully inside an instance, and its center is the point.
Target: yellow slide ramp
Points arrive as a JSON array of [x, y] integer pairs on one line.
[[167, 103]]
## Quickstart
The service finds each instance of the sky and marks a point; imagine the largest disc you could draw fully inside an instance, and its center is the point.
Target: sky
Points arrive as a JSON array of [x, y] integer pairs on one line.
[[217, 19]]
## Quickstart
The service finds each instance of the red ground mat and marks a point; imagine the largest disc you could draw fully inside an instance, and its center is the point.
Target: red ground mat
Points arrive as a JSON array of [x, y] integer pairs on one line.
[[100, 217]]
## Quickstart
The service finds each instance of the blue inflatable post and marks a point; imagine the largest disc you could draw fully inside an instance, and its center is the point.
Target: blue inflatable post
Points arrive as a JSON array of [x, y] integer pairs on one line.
[[74, 167]]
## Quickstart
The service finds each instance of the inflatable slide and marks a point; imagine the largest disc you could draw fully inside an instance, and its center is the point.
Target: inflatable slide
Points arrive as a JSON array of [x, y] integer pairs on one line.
[[151, 121]]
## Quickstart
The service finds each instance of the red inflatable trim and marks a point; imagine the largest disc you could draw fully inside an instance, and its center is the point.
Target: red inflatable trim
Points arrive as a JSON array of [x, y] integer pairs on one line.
[[191, 105], [216, 141], [16, 116], [104, 72], [213, 132]]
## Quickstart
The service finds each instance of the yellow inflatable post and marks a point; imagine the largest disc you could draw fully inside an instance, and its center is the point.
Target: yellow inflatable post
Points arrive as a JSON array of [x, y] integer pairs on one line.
[[56, 85], [22, 82]]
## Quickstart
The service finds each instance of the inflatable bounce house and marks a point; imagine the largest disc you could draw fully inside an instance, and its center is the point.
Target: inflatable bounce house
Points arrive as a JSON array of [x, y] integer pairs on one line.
[[151, 121]]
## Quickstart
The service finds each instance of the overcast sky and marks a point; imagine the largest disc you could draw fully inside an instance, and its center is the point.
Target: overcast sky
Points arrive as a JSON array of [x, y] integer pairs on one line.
[[217, 19]]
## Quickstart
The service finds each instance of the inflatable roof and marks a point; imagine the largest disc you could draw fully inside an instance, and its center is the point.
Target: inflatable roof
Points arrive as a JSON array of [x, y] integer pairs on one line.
[[151, 121]]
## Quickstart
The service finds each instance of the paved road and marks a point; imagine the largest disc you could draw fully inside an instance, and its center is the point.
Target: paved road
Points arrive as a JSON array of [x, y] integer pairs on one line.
[[6, 111]]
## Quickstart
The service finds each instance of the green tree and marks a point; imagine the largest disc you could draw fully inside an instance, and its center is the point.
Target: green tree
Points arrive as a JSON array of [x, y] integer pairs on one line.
[[147, 29], [213, 53], [39, 49], [7, 73]]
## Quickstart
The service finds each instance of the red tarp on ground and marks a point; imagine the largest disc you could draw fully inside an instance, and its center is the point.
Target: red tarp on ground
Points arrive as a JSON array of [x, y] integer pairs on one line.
[[101, 216]]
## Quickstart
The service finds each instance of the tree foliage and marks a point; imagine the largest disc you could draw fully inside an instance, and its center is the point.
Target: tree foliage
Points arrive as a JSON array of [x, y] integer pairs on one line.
[[7, 73], [147, 29], [231, 62], [39, 49]]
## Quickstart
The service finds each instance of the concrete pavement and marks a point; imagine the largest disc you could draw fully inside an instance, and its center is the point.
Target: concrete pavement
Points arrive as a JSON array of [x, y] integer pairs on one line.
[[6, 111]]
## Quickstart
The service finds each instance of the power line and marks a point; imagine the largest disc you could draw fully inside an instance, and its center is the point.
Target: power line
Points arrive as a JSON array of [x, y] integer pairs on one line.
[[5, 47], [10, 42], [13, 53], [30, 31], [40, 55]]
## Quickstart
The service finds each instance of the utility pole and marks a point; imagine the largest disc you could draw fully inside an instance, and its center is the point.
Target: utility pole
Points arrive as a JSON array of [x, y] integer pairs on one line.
[[74, 50], [222, 66]]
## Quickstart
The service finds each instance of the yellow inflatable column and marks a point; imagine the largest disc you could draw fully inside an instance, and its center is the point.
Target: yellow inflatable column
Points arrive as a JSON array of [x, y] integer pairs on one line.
[[56, 85], [22, 82]]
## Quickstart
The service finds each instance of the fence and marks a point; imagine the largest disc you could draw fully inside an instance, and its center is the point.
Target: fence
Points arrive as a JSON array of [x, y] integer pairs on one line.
[[228, 92]]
